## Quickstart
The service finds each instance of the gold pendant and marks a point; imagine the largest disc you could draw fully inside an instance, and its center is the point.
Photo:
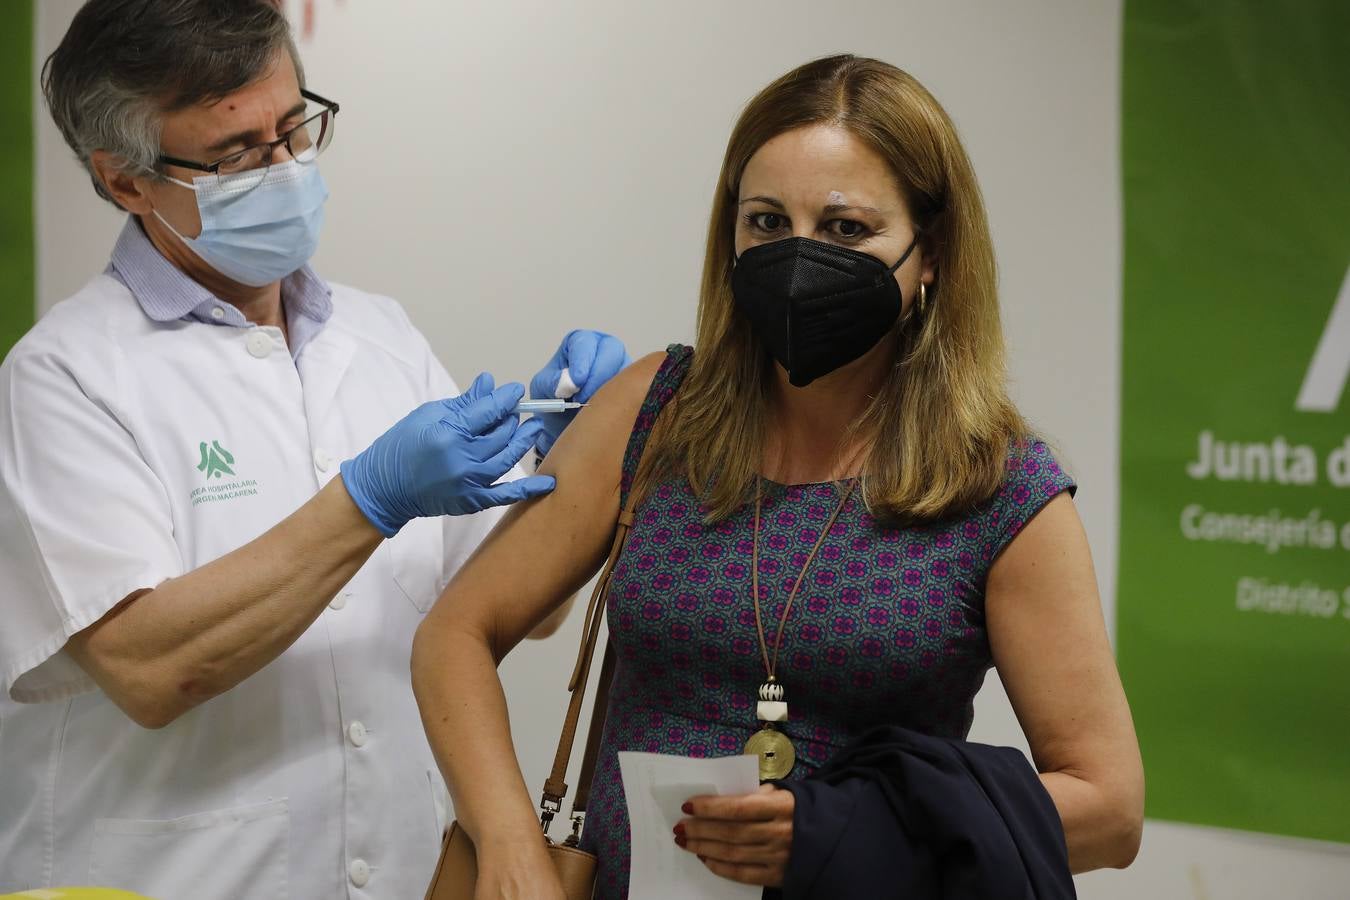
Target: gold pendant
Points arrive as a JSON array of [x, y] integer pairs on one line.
[[776, 754]]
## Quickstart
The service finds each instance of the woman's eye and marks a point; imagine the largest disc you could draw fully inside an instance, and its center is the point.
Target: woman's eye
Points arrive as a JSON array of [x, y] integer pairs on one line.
[[847, 228], [766, 221]]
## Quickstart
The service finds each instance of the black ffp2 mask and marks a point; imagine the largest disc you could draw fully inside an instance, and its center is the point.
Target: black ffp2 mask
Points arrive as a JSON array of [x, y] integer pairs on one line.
[[816, 306]]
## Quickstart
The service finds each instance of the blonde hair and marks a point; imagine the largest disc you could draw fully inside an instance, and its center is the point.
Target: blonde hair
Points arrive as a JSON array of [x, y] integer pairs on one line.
[[942, 424]]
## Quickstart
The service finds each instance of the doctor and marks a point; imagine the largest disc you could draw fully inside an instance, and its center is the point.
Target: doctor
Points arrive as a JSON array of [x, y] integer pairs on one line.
[[205, 613]]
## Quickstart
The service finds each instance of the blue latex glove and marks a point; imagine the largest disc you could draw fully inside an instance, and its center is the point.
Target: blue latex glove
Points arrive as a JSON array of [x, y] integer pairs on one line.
[[443, 457], [591, 358]]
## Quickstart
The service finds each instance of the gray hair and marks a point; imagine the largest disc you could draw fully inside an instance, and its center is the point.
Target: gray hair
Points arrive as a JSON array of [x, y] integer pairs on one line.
[[123, 63]]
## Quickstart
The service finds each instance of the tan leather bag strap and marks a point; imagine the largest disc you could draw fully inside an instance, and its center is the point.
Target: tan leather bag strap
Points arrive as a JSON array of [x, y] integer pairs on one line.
[[555, 788], [597, 729]]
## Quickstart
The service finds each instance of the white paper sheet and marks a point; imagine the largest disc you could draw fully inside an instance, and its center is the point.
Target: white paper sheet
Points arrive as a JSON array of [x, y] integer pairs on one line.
[[656, 786]]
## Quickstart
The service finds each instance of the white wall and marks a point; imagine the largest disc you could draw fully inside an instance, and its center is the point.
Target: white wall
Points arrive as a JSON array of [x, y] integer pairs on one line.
[[513, 169]]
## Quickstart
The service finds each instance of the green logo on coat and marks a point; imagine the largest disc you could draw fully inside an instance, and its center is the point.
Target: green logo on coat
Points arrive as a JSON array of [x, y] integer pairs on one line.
[[216, 460]]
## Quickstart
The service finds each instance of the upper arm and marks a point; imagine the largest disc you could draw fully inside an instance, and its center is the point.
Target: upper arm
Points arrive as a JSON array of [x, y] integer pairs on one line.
[[544, 550], [1049, 643]]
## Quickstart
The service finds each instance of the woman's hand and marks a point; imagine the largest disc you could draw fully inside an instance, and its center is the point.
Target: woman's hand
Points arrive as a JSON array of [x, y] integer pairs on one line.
[[745, 838], [519, 876]]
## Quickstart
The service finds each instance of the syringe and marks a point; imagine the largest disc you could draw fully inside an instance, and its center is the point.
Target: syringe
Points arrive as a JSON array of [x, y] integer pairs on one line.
[[535, 407]]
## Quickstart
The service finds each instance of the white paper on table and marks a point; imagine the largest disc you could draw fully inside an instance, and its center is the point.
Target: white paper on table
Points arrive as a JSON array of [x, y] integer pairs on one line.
[[656, 786]]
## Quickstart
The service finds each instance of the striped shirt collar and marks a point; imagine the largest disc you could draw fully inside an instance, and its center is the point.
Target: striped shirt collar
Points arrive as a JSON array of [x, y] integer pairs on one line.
[[167, 294]]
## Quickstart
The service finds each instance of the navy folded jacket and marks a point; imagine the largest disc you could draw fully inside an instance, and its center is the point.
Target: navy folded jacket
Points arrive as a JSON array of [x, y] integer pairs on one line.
[[901, 814]]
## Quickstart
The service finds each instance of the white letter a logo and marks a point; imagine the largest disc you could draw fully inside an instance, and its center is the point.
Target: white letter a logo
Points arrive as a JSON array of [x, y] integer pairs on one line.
[[1330, 367]]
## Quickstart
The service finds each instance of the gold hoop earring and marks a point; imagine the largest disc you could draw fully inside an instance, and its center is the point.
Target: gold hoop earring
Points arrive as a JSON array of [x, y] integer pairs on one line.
[[923, 299]]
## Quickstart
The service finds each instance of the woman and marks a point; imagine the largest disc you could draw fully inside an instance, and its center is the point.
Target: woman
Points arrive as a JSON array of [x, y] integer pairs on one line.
[[838, 499]]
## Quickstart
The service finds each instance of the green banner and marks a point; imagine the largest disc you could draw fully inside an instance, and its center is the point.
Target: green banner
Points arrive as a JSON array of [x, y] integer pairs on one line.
[[17, 259], [1234, 582]]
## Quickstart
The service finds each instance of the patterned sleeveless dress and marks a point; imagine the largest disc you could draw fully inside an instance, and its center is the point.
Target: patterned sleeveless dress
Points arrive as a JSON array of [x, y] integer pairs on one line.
[[888, 627]]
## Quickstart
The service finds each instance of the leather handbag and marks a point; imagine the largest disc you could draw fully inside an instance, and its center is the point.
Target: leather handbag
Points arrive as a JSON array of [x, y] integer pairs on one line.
[[457, 871]]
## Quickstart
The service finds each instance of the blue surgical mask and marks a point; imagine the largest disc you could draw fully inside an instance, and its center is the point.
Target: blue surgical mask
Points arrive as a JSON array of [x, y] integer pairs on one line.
[[258, 236]]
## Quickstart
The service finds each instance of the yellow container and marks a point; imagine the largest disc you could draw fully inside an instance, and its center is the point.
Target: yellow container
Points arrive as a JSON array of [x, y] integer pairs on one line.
[[73, 893]]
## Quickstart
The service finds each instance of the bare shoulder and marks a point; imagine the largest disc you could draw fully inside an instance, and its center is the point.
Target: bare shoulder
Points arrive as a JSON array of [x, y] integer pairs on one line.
[[594, 444], [1047, 563], [1054, 529], [564, 534]]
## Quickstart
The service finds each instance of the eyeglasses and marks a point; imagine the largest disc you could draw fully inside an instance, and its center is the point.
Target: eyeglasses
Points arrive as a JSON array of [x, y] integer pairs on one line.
[[245, 169]]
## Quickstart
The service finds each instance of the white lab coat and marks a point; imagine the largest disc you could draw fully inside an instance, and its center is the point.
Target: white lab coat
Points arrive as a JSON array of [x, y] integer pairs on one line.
[[313, 777]]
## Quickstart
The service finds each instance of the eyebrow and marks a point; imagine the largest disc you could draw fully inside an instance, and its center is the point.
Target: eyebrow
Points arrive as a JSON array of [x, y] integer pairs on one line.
[[832, 208], [837, 207], [252, 136]]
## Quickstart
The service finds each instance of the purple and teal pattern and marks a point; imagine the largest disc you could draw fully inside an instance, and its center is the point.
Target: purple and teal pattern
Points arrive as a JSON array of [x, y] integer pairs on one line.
[[888, 626]]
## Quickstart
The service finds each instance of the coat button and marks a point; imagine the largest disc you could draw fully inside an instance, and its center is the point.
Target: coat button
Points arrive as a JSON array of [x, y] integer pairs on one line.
[[259, 344], [339, 601], [359, 872], [356, 733], [322, 460]]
